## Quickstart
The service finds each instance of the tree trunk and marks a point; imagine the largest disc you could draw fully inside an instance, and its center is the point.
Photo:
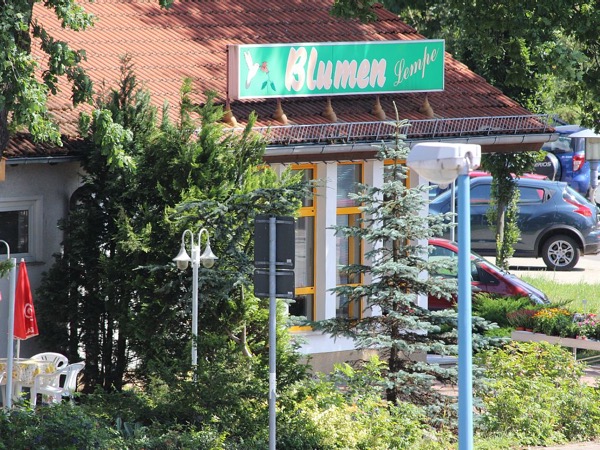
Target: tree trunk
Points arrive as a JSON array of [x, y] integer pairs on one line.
[[500, 234]]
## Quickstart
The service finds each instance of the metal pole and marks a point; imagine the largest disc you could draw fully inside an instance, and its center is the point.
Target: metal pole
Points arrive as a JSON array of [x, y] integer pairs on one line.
[[12, 279], [465, 357], [453, 210], [195, 263], [272, 331], [593, 179]]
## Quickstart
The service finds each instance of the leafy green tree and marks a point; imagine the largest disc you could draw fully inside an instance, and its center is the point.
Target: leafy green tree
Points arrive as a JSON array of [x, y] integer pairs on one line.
[[542, 54], [533, 52], [503, 211], [23, 97], [402, 331], [113, 294]]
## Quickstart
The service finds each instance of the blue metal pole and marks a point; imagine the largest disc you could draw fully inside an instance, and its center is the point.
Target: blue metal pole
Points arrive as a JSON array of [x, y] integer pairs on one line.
[[12, 279], [465, 348]]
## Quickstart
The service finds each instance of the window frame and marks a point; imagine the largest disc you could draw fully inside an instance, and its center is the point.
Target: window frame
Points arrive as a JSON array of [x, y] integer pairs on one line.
[[353, 211], [309, 211], [34, 207]]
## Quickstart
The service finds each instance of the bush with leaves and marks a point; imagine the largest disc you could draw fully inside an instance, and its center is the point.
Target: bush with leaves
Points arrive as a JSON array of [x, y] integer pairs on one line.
[[345, 410], [495, 309], [61, 426], [534, 392]]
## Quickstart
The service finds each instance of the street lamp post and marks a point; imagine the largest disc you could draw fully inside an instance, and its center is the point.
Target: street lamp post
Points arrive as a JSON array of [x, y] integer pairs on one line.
[[444, 163], [207, 258]]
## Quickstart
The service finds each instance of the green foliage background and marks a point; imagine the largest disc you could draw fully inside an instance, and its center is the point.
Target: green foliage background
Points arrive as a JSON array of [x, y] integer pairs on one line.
[[113, 296]]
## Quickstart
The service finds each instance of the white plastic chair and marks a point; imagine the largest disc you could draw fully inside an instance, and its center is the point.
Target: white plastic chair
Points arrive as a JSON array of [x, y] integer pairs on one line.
[[59, 361], [46, 384], [55, 360]]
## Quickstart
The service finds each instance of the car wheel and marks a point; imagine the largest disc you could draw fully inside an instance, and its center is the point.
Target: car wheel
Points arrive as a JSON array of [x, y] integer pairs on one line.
[[560, 253]]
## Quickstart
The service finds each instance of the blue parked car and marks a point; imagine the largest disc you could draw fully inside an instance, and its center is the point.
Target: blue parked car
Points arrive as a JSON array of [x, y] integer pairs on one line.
[[565, 160], [556, 222]]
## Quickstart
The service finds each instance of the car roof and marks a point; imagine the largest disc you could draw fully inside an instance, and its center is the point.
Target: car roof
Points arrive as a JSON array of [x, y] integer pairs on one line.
[[482, 173], [533, 182], [442, 242], [568, 129]]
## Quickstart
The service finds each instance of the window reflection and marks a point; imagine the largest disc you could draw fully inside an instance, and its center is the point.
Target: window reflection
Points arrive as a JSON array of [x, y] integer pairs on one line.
[[305, 251], [347, 177], [348, 250], [302, 306], [14, 229]]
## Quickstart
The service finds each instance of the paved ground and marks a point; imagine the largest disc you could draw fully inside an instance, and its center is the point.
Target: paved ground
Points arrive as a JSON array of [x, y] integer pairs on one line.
[[578, 446], [587, 270]]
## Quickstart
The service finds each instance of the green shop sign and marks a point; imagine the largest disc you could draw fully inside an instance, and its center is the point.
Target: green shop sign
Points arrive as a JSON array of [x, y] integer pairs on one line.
[[338, 68]]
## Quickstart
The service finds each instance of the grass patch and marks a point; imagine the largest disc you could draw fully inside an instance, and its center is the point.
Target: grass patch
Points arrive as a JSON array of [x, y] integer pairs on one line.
[[578, 297]]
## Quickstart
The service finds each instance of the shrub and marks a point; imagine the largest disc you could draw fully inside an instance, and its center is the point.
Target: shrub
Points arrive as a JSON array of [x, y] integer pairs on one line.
[[342, 410], [534, 392], [62, 426], [495, 309], [522, 318], [325, 420], [345, 410]]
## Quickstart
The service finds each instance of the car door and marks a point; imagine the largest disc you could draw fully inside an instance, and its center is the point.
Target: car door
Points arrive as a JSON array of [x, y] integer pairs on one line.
[[483, 238], [478, 282], [535, 213]]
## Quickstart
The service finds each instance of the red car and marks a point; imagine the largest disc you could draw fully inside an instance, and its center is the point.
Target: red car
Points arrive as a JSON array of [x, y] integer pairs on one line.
[[486, 277]]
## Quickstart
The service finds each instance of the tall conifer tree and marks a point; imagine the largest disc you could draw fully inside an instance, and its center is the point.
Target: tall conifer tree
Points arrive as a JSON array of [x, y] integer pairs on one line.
[[396, 260]]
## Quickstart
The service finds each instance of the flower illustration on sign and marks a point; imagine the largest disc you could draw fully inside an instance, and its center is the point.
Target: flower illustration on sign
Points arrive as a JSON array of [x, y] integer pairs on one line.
[[267, 84]]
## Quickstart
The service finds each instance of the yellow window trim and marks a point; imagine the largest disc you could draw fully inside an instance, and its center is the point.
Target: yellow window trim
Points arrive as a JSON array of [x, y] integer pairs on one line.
[[297, 329]]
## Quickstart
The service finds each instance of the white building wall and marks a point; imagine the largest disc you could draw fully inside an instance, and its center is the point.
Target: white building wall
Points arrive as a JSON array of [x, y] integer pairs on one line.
[[325, 241], [51, 187], [373, 173], [416, 180]]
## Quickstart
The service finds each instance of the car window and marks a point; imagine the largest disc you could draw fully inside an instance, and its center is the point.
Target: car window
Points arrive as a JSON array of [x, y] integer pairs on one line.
[[439, 252], [576, 195], [442, 254], [480, 194], [531, 195], [487, 278], [561, 145]]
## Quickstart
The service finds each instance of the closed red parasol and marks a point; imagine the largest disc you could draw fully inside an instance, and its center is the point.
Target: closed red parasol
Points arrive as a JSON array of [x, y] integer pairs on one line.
[[25, 322]]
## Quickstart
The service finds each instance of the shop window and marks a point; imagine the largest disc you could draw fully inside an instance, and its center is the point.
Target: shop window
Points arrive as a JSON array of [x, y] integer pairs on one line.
[[348, 248], [304, 272]]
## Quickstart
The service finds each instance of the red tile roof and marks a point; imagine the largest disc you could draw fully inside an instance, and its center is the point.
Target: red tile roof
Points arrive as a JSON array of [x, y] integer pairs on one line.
[[190, 40]]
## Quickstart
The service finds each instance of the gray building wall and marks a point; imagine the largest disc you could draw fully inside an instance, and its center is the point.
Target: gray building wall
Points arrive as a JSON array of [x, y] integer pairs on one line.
[[49, 187]]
